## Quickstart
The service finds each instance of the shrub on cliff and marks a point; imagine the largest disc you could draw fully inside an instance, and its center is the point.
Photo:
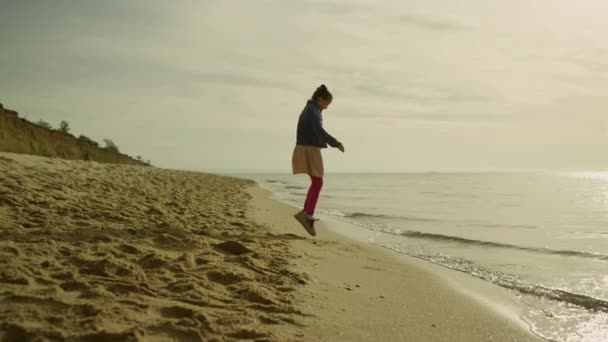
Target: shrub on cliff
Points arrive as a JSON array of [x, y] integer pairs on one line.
[[110, 146], [89, 140], [44, 124], [64, 127]]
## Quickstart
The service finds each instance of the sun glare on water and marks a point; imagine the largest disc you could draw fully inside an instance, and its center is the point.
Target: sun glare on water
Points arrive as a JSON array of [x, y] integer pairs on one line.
[[601, 175]]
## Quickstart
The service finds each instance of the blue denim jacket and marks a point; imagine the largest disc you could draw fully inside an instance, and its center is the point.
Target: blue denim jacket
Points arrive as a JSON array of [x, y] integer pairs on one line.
[[310, 128]]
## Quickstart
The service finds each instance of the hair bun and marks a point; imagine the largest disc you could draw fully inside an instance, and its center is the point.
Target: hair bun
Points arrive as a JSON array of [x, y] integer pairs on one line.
[[321, 92]]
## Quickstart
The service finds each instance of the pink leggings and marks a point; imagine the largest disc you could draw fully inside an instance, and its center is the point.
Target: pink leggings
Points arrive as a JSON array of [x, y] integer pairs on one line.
[[313, 195]]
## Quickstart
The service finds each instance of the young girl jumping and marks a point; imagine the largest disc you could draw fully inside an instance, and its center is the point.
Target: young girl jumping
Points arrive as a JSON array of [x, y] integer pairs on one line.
[[306, 158]]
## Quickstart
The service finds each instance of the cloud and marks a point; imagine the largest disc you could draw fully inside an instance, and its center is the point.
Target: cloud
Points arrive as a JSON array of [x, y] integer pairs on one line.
[[167, 80], [429, 23]]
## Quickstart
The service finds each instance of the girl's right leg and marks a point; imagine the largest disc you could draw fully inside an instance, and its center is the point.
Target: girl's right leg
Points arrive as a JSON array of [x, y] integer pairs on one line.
[[316, 183]]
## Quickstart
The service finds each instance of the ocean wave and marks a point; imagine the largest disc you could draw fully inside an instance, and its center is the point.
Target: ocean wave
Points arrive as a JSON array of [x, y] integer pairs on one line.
[[587, 235], [358, 214], [509, 226], [295, 187], [449, 194], [362, 215], [508, 281], [441, 237]]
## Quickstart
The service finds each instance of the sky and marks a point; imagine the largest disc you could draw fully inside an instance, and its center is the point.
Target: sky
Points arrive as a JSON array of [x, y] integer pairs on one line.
[[419, 86]]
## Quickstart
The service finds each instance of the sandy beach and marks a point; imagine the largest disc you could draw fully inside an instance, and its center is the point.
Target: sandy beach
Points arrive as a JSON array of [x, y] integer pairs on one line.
[[106, 252]]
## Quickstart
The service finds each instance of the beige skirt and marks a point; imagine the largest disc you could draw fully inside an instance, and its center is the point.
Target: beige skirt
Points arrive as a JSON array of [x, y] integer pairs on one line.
[[307, 159]]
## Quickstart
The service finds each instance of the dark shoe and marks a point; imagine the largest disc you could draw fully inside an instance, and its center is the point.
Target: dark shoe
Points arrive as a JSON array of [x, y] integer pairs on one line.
[[301, 217]]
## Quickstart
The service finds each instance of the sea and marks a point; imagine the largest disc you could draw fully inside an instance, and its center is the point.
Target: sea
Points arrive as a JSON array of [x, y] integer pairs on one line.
[[541, 236]]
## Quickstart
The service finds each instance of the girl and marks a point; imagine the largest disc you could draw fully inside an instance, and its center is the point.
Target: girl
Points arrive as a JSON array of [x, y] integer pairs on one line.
[[306, 158]]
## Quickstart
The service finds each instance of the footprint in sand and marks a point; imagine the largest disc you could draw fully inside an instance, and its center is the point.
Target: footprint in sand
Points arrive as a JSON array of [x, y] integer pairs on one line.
[[176, 312], [126, 248]]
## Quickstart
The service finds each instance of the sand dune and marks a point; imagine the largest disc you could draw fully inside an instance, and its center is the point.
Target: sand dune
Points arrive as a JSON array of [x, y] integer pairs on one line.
[[111, 252]]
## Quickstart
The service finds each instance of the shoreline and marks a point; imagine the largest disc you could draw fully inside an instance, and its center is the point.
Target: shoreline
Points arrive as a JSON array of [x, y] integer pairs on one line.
[[494, 297], [361, 292]]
